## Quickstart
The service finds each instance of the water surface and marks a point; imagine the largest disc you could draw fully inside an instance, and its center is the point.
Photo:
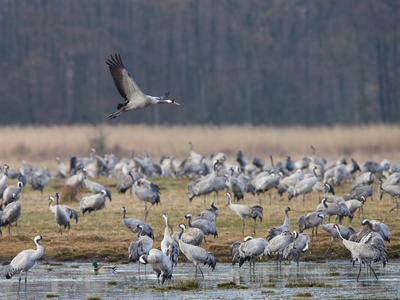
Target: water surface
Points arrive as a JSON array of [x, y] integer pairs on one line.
[[78, 281]]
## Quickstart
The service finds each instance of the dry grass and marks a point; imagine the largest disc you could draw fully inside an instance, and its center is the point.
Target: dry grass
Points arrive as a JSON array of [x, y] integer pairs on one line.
[[42, 144], [104, 237]]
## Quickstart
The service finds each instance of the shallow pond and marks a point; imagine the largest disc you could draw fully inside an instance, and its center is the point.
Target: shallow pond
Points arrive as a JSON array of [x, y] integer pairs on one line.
[[78, 281]]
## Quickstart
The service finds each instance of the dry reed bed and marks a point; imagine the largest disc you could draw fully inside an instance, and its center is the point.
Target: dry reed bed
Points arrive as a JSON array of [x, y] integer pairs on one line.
[[42, 144]]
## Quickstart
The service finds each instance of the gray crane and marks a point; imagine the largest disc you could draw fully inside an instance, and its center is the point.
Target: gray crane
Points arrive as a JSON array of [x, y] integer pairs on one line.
[[354, 204], [246, 211], [303, 187], [147, 194], [359, 191], [142, 245], [300, 245], [392, 190], [364, 253], [38, 179], [372, 226], [235, 249], [127, 182], [196, 254], [209, 214], [129, 90], [63, 169], [10, 214], [235, 185], [73, 213], [12, 193], [339, 209], [132, 225], [204, 185], [3, 180], [168, 246], [207, 227], [62, 218], [76, 181], [250, 249], [241, 159], [93, 202], [311, 220], [192, 236], [346, 232], [24, 261], [273, 232], [278, 244], [289, 181], [96, 188], [160, 263]]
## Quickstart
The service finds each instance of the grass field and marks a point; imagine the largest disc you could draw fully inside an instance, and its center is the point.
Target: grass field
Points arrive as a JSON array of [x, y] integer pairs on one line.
[[103, 236]]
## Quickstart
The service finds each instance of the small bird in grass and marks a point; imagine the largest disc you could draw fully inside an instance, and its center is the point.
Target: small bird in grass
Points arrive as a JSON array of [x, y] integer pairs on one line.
[[129, 90], [103, 269]]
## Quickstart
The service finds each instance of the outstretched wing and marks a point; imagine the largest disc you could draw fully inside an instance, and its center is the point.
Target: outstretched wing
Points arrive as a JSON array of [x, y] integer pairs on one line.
[[124, 82]]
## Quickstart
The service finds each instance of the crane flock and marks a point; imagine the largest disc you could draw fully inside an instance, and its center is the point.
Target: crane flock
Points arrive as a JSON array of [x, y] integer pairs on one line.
[[210, 174], [367, 245]]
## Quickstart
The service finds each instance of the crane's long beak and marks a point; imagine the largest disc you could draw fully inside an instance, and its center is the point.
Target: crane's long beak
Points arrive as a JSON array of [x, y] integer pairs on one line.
[[176, 103]]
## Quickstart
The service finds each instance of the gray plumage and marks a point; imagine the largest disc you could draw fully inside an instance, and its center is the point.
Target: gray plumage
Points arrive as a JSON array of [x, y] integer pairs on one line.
[[142, 245], [192, 236], [331, 208], [278, 244], [207, 227], [235, 250], [96, 188], [12, 193], [300, 245], [147, 193], [204, 185], [24, 261], [250, 249], [311, 220], [129, 90], [354, 204], [364, 253], [160, 264], [235, 185], [346, 232], [132, 225], [241, 158], [63, 169], [11, 214], [359, 191], [209, 214], [127, 182], [73, 213], [4, 180], [93, 203], [196, 254], [76, 181], [246, 211], [38, 179], [168, 246], [273, 232], [303, 187], [62, 218]]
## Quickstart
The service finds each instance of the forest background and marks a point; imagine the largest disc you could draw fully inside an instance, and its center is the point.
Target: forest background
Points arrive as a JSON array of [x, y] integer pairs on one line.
[[281, 63]]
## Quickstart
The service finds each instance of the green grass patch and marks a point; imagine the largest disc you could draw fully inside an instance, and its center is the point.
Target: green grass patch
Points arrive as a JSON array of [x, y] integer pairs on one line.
[[112, 282], [333, 274], [5, 263], [303, 295], [49, 269], [93, 298], [269, 285], [268, 292], [230, 285], [52, 296], [307, 284]]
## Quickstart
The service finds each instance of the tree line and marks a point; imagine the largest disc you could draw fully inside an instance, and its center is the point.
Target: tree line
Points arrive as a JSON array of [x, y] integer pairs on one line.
[[275, 62]]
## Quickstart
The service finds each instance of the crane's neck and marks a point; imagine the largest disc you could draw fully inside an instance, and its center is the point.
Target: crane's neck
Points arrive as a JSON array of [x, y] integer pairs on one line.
[[139, 232], [180, 235], [287, 219], [189, 221], [123, 213], [39, 250], [340, 236]]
